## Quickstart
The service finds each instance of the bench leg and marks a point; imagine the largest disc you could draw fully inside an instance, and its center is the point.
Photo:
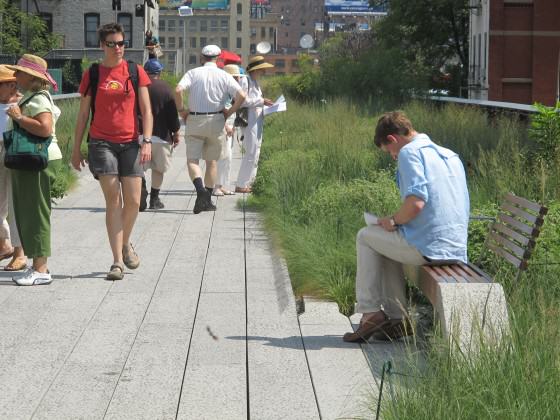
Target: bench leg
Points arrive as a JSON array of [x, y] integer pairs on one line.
[[472, 314]]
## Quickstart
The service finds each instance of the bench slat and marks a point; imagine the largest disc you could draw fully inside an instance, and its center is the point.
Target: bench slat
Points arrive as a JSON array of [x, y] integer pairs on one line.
[[522, 239], [471, 275], [443, 275], [531, 218], [510, 221], [481, 275], [520, 264], [536, 207], [510, 246], [450, 270]]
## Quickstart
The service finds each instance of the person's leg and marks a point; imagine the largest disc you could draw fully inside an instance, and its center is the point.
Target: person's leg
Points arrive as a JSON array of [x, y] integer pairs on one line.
[[5, 246], [380, 283], [19, 260], [131, 199], [111, 187], [211, 174], [248, 161], [157, 179]]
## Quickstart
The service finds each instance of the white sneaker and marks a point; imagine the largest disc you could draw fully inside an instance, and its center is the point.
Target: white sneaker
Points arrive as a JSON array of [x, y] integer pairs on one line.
[[32, 278]]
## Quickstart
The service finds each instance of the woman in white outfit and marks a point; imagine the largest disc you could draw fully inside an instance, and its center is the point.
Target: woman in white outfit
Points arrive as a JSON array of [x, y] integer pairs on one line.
[[254, 131]]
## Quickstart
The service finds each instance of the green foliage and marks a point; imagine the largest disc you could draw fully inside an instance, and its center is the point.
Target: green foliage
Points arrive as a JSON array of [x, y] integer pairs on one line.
[[23, 33], [545, 131]]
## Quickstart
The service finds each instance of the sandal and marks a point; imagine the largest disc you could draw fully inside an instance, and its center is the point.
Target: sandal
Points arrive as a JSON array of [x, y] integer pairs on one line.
[[228, 192], [116, 272], [17, 264], [130, 257], [217, 193]]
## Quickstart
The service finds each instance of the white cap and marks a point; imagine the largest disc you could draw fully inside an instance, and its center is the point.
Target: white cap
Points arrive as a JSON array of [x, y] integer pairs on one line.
[[211, 51]]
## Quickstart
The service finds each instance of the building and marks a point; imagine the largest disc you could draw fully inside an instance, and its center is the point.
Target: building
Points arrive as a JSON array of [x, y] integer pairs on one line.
[[76, 21], [515, 51], [182, 38], [264, 25], [297, 18]]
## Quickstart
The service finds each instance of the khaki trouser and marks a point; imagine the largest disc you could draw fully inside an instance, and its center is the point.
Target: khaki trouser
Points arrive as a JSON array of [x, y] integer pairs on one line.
[[8, 229], [380, 283]]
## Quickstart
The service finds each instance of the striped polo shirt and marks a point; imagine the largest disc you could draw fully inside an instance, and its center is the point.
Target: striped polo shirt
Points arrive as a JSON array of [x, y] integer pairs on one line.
[[209, 88]]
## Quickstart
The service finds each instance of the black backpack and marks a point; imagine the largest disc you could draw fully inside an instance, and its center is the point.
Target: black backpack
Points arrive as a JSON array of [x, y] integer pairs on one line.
[[94, 82]]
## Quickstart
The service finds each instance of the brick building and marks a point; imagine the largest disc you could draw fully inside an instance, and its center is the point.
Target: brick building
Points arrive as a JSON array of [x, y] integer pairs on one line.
[[76, 21], [297, 18], [515, 51]]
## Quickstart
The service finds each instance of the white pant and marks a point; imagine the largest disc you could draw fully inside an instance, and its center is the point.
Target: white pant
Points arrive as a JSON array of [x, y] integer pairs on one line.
[[224, 164], [8, 229], [249, 163], [380, 283]]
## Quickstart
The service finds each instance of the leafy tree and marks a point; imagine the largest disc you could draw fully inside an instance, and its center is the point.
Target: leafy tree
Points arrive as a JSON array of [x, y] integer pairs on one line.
[[434, 32], [21, 32]]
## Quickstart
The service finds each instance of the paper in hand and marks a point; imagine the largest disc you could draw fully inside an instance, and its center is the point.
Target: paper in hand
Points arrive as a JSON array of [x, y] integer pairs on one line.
[[278, 106], [371, 219]]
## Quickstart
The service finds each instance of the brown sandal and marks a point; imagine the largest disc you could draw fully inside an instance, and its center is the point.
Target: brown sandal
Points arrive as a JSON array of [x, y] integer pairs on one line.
[[116, 272], [17, 264], [8, 254]]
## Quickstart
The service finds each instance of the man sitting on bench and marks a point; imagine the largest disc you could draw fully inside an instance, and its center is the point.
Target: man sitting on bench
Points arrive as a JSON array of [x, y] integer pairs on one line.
[[431, 224]]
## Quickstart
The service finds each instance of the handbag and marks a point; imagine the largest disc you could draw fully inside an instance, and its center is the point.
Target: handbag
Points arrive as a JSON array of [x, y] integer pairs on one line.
[[241, 118], [26, 151]]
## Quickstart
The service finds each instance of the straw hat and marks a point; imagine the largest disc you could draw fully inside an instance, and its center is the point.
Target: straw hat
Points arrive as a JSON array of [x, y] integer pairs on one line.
[[233, 69], [6, 75], [34, 66], [257, 62]]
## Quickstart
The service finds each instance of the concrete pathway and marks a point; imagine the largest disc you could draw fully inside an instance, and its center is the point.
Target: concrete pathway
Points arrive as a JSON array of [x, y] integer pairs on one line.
[[205, 328]]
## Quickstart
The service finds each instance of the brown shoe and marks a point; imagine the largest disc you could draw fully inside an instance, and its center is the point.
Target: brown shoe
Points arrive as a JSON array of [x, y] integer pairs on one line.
[[243, 190], [130, 257], [366, 330], [397, 328]]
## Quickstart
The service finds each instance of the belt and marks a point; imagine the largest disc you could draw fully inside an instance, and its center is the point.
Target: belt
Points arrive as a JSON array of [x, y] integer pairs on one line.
[[205, 113]]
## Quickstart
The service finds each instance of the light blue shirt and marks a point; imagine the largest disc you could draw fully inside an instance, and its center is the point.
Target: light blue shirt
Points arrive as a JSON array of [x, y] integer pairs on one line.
[[435, 175]]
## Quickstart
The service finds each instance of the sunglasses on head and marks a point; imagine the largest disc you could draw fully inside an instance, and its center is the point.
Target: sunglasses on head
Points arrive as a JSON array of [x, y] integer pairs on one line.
[[113, 44]]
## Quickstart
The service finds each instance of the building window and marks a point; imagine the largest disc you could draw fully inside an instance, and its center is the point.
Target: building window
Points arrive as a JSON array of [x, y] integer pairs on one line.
[[162, 25], [238, 43], [253, 48], [263, 32], [239, 9], [214, 25], [203, 26], [162, 41], [193, 42], [181, 24], [239, 26], [271, 33], [225, 42], [91, 23], [225, 25], [253, 32], [203, 41], [47, 18], [125, 19], [280, 64], [171, 62], [171, 26], [171, 42], [192, 59], [192, 25], [180, 42]]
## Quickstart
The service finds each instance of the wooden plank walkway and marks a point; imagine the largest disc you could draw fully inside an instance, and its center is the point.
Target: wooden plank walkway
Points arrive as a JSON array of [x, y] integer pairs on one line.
[[205, 328]]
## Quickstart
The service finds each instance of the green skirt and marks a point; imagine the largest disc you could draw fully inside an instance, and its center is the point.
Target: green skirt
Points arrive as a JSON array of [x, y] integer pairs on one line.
[[31, 192]]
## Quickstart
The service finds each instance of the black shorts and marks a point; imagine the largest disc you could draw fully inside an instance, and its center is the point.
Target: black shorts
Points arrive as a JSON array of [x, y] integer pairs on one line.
[[108, 158]]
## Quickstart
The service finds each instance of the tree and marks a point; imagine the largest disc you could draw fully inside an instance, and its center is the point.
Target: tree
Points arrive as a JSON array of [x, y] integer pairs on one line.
[[435, 32], [21, 32]]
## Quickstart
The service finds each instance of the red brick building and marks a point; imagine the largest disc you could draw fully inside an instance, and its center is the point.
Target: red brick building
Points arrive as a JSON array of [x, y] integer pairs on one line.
[[515, 51]]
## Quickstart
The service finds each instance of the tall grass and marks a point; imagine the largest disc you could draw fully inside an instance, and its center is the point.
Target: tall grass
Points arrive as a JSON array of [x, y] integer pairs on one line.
[[320, 171]]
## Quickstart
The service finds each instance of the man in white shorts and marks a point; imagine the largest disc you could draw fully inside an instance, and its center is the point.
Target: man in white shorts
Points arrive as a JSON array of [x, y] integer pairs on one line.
[[165, 135]]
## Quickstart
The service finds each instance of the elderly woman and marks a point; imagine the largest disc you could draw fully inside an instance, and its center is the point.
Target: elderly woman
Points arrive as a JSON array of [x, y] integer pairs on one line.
[[31, 190], [253, 133]]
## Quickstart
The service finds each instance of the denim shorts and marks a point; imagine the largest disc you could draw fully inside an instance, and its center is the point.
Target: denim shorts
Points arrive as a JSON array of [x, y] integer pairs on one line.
[[107, 158]]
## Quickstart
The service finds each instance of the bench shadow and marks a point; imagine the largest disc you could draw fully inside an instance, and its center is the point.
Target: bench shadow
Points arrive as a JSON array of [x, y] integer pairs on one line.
[[316, 342]]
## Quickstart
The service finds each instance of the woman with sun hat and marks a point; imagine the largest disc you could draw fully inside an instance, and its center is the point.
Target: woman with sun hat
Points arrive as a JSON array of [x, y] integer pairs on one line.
[[37, 114], [253, 133]]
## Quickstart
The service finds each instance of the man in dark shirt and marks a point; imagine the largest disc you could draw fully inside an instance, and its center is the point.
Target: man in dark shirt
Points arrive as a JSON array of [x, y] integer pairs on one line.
[[165, 134]]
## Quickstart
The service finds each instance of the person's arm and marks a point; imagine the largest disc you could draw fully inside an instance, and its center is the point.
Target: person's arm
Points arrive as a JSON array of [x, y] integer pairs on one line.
[[147, 122], [83, 115], [39, 125], [254, 98], [183, 85], [410, 208]]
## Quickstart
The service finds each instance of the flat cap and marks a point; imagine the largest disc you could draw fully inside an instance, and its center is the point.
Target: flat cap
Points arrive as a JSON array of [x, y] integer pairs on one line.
[[211, 51]]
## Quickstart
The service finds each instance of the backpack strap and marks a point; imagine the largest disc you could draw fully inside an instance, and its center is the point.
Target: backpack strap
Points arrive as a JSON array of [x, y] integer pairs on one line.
[[92, 87], [134, 79]]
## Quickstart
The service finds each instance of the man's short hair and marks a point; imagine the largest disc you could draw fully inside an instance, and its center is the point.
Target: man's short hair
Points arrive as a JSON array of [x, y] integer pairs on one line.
[[108, 29], [395, 122]]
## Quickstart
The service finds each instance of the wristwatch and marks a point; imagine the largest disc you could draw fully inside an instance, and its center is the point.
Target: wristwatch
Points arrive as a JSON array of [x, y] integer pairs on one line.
[[147, 140]]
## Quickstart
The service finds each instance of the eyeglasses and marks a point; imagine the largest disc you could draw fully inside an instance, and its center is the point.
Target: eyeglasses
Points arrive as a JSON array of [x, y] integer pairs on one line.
[[113, 44]]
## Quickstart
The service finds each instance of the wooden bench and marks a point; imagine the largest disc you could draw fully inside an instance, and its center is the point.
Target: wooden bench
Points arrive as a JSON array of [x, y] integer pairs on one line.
[[471, 307]]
